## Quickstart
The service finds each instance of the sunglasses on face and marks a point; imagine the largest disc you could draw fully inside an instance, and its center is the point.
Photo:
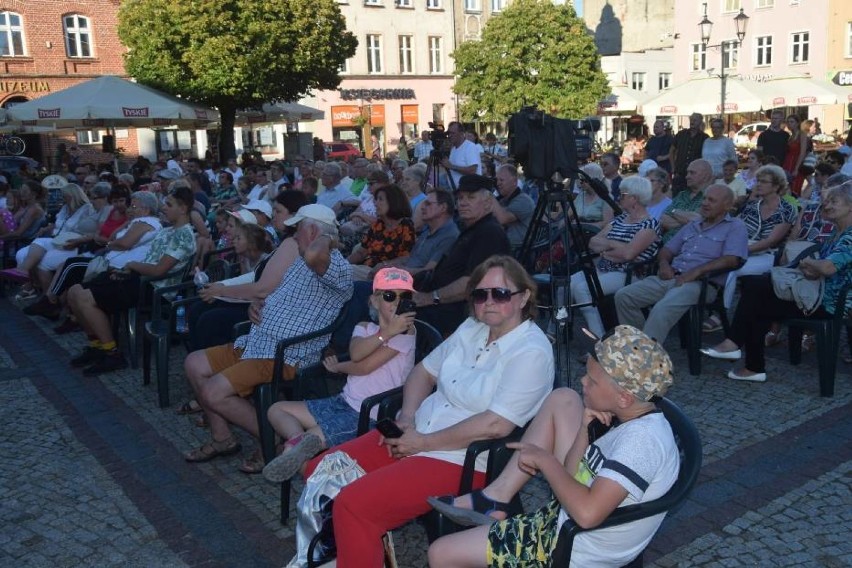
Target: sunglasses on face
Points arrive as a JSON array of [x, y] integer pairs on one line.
[[390, 296], [498, 295]]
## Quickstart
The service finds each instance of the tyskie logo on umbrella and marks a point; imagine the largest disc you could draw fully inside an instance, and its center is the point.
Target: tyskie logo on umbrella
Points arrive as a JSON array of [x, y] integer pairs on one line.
[[49, 112], [135, 112]]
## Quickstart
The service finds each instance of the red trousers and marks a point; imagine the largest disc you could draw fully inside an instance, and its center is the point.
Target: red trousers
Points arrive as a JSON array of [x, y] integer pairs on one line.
[[393, 492]]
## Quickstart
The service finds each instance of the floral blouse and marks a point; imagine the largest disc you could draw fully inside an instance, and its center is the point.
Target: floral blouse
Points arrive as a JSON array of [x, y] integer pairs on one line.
[[384, 244]]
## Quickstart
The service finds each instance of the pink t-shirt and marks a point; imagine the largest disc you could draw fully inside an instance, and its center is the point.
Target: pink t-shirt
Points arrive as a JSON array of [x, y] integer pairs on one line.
[[390, 375]]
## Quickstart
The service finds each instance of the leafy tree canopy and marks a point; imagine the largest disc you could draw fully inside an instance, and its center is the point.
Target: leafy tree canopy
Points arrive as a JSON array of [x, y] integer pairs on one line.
[[235, 54], [533, 53]]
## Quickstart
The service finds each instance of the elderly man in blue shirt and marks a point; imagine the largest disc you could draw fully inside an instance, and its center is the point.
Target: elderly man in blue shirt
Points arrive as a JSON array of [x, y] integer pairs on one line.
[[712, 243]]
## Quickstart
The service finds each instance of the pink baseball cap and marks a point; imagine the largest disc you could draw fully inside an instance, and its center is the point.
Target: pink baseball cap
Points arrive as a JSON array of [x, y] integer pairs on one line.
[[393, 279]]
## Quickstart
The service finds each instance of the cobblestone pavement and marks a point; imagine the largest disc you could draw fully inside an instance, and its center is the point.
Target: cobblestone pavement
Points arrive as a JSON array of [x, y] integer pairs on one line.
[[92, 472]]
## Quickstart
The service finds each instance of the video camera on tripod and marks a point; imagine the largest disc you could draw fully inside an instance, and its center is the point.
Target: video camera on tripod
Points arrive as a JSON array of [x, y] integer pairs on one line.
[[440, 142]]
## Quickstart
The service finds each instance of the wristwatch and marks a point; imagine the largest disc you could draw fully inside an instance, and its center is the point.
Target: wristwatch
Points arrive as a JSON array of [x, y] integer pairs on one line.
[[436, 298]]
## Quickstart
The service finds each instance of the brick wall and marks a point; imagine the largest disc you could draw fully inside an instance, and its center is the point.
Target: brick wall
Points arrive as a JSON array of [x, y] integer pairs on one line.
[[45, 66]]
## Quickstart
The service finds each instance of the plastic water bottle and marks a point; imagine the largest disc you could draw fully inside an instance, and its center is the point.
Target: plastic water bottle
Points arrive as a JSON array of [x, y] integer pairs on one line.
[[201, 279], [181, 325]]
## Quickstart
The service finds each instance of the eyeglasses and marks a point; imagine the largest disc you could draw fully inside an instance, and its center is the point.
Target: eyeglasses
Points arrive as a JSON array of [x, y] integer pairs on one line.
[[498, 295], [391, 296]]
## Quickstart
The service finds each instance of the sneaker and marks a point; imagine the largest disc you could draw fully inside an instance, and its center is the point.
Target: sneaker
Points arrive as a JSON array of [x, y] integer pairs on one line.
[[290, 461], [87, 357], [109, 362], [45, 308]]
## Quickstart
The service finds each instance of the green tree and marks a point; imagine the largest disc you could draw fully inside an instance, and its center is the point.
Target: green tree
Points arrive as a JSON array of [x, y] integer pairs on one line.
[[234, 54], [533, 53]]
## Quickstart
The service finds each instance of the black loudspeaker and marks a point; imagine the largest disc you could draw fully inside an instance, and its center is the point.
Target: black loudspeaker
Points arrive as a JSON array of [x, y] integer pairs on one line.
[[107, 143]]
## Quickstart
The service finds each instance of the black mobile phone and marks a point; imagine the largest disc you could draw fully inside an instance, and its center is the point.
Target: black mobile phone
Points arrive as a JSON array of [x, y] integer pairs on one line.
[[406, 306], [388, 428]]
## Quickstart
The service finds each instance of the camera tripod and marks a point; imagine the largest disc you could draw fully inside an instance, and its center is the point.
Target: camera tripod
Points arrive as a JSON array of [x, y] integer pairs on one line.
[[555, 217], [433, 168]]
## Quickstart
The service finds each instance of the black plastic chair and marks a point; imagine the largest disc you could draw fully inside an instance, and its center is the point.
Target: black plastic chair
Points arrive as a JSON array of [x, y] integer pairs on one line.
[[159, 330], [689, 326], [689, 443], [828, 332]]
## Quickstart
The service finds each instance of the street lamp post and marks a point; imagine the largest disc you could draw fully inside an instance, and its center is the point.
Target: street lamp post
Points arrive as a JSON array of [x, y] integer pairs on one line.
[[706, 26]]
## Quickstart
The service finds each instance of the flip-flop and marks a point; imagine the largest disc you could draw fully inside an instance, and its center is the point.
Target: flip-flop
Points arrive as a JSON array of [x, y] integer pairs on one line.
[[482, 505], [711, 324]]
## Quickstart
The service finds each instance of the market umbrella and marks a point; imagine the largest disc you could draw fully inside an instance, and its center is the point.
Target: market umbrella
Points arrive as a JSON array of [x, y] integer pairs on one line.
[[804, 91], [703, 95], [623, 100], [111, 102], [281, 112]]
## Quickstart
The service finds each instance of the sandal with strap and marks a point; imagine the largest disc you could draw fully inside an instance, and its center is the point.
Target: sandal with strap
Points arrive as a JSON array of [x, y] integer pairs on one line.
[[213, 449], [479, 515], [252, 464], [773, 338], [189, 407]]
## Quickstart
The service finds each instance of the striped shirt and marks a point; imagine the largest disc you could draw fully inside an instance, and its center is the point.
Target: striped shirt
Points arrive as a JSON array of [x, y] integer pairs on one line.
[[623, 231]]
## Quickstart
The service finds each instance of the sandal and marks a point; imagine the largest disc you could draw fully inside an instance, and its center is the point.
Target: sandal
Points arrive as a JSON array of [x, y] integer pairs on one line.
[[189, 407], [479, 515], [773, 338], [290, 461], [253, 464], [711, 324], [213, 449], [808, 343]]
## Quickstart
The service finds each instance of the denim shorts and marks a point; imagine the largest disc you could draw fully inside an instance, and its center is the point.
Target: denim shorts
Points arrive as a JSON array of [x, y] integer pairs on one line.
[[338, 421]]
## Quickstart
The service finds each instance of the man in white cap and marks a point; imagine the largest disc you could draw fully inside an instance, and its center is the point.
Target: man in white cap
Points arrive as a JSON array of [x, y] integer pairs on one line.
[[309, 297]]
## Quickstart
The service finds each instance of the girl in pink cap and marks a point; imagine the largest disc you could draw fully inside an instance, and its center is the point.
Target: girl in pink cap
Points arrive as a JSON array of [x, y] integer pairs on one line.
[[381, 356]]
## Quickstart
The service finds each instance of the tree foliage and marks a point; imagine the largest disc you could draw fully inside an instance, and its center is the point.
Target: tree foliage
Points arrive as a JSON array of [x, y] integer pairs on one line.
[[533, 53], [234, 54]]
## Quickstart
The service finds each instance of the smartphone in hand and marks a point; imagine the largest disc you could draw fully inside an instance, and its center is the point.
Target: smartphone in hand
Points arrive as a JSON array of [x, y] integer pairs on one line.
[[388, 428], [406, 306]]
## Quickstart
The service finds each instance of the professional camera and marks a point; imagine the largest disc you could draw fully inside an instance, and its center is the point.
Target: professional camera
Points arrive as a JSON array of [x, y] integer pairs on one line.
[[545, 145], [440, 142]]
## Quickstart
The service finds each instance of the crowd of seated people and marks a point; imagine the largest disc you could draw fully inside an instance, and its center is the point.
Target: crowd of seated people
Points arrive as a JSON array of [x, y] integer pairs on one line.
[[449, 253]]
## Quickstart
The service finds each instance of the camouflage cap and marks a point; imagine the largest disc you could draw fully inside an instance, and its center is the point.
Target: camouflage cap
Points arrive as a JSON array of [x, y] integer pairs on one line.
[[636, 362]]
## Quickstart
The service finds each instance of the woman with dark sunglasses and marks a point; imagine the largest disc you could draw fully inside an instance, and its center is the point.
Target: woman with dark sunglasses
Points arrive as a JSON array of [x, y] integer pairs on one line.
[[488, 377], [381, 356]]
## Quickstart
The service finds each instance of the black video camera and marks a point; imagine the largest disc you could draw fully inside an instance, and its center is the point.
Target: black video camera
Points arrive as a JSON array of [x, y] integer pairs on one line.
[[440, 141]]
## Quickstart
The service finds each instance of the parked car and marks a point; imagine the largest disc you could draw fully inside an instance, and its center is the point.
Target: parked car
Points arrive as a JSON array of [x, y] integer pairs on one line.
[[339, 150], [12, 164], [747, 132]]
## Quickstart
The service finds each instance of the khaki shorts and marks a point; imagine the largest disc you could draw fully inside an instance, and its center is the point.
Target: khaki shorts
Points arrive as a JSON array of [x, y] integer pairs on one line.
[[243, 374]]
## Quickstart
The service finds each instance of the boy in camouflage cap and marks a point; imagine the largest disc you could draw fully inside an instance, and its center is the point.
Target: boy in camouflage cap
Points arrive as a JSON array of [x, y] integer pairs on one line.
[[637, 460]]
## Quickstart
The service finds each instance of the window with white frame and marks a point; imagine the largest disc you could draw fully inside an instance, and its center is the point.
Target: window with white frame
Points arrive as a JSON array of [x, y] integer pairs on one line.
[[404, 3], [344, 67], [800, 47], [637, 81], [731, 5], [763, 51], [699, 57], [372, 2], [498, 5], [730, 54], [848, 39], [764, 3], [436, 55], [11, 34], [78, 36], [374, 54], [664, 81], [88, 137], [472, 6], [406, 54], [433, 4]]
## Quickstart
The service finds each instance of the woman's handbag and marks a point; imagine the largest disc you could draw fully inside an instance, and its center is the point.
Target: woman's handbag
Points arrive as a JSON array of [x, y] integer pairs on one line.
[[335, 471], [98, 265], [791, 285]]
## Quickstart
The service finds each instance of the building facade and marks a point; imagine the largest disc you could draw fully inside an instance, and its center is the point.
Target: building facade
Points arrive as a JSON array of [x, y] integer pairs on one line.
[[839, 62], [400, 78]]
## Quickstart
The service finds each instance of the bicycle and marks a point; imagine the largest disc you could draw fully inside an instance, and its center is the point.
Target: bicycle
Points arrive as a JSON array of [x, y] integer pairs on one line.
[[11, 144]]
